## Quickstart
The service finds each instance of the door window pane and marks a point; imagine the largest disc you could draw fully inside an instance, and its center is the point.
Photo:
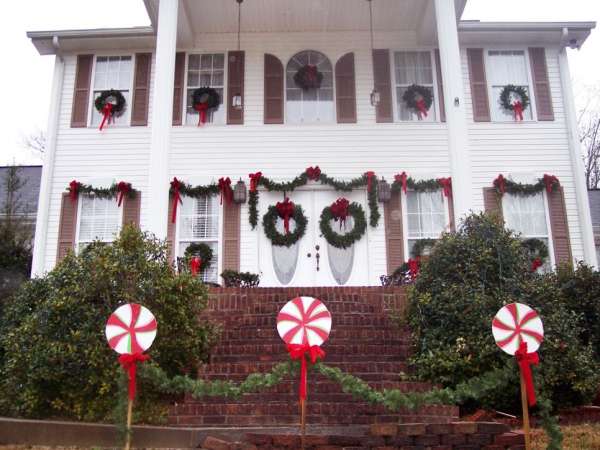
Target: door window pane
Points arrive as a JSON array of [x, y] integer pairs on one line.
[[206, 70], [506, 67], [413, 68]]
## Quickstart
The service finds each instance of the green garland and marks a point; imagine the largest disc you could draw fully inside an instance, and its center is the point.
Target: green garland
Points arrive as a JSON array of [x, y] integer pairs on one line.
[[233, 278], [503, 185], [520, 91], [253, 208], [288, 239], [199, 249], [196, 191], [110, 192], [344, 240], [430, 185], [420, 245]]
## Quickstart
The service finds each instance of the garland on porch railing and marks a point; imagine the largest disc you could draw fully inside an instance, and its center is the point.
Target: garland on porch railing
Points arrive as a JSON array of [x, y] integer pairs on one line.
[[403, 182], [368, 179], [116, 190], [548, 182]]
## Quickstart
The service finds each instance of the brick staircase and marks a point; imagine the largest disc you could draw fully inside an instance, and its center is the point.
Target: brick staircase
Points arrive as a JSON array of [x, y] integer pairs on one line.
[[364, 342]]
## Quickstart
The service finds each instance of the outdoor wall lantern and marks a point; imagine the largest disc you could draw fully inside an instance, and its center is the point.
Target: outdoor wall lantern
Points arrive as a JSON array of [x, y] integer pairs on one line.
[[239, 193], [384, 191]]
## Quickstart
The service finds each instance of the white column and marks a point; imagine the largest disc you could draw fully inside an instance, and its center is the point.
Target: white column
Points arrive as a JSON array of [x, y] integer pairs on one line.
[[157, 201], [583, 206], [41, 224], [454, 103]]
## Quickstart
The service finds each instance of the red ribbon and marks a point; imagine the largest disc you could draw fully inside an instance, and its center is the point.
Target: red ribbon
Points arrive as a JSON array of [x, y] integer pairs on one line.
[[74, 190], [339, 210], [536, 264], [123, 188], [550, 181], [285, 210], [446, 184], [254, 179], [500, 183], [525, 360], [107, 111], [201, 108], [370, 175], [421, 109], [403, 180], [226, 191], [195, 264], [313, 173], [175, 186], [300, 351], [518, 110], [129, 364], [414, 265]]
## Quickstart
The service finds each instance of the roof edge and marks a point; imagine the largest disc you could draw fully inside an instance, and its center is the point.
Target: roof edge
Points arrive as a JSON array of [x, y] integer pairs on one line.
[[92, 33], [476, 25]]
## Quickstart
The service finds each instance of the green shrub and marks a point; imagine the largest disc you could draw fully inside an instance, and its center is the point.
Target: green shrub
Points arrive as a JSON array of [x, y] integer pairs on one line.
[[468, 277], [56, 358]]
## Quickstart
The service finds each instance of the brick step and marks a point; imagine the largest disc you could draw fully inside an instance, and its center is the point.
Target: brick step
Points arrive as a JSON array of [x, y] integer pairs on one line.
[[397, 349], [342, 319], [388, 368], [338, 334]]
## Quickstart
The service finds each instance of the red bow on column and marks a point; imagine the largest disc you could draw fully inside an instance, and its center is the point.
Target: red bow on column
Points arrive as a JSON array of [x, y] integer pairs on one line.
[[226, 191], [525, 361], [339, 210], [123, 189], [74, 190], [175, 186], [414, 266], [500, 183], [285, 210], [446, 184], [107, 111], [550, 181], [536, 264], [421, 109], [254, 179], [195, 264], [300, 351], [129, 364], [202, 108], [403, 180], [518, 110], [313, 173], [370, 175]]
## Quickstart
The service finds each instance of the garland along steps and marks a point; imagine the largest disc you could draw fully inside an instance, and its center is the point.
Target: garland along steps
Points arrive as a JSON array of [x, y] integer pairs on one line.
[[364, 342]]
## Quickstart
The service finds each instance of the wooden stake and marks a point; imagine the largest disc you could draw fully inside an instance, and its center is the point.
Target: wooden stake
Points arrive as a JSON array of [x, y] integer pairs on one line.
[[525, 405], [129, 414], [303, 421]]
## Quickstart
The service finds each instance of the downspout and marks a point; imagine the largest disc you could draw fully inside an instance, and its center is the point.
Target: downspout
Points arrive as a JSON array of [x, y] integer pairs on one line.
[[41, 224], [581, 193]]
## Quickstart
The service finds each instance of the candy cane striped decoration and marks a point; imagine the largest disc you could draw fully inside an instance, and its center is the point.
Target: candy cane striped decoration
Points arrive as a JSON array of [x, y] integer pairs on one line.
[[516, 323], [304, 321], [131, 329]]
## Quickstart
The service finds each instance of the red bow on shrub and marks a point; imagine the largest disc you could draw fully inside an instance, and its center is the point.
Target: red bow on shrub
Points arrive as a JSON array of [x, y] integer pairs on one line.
[[107, 111], [123, 189], [129, 364], [175, 186], [414, 266], [550, 181], [421, 109], [225, 189], [313, 173], [500, 184], [446, 184], [525, 360], [339, 210], [300, 352], [195, 264], [403, 180], [370, 175], [74, 190], [518, 110], [254, 179], [285, 210]]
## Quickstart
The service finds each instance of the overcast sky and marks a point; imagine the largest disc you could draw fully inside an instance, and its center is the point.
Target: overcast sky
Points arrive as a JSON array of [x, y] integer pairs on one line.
[[26, 77]]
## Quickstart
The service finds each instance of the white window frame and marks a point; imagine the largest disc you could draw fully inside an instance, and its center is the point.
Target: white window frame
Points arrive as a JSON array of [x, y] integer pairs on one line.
[[490, 91], [405, 231], [177, 245], [79, 205], [127, 113], [436, 102], [224, 105]]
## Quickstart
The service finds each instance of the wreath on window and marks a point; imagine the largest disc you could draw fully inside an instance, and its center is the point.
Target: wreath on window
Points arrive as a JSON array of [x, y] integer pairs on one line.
[[421, 245], [110, 104], [419, 99], [203, 100], [335, 213], [515, 99], [287, 211], [538, 252], [200, 250], [308, 77]]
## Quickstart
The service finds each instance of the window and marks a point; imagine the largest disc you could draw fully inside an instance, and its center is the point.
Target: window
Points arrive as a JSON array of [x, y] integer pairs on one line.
[[112, 72], [413, 68], [426, 216], [506, 67], [206, 70], [99, 220], [199, 222], [312, 105]]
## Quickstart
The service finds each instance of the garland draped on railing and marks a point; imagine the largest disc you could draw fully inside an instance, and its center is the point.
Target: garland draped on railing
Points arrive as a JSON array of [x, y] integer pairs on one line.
[[403, 182], [116, 190], [547, 182]]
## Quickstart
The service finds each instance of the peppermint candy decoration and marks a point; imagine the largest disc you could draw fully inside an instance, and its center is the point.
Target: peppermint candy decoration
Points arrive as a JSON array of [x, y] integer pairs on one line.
[[131, 329], [516, 323], [304, 321]]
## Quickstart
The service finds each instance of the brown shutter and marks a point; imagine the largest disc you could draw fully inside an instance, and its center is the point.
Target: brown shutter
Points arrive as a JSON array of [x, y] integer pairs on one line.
[[141, 90], [492, 202], [440, 85], [81, 93], [479, 95], [559, 226], [541, 84], [273, 90], [67, 226], [451, 220], [178, 88], [394, 237], [171, 230], [131, 209], [231, 236], [345, 89], [381, 74], [235, 85]]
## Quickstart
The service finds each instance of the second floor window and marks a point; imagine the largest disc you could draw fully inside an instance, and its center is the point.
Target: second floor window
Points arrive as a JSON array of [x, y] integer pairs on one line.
[[506, 67], [205, 70], [99, 220], [112, 72], [412, 68], [426, 216]]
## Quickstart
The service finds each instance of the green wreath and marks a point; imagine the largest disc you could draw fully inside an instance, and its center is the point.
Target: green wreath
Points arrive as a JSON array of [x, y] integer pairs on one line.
[[420, 245], [412, 94], [203, 251], [536, 249], [118, 104], [289, 239], [344, 240], [517, 90]]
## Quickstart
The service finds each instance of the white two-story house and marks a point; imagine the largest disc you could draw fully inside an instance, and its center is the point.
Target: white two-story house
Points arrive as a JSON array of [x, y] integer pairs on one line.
[[301, 84]]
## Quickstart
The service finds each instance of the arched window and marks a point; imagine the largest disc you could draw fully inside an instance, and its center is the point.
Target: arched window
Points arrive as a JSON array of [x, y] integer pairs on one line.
[[309, 105]]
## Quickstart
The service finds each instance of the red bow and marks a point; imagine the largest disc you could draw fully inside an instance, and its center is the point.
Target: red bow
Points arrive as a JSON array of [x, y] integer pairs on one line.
[[201, 108], [195, 264], [403, 180], [175, 186], [525, 361], [74, 190], [107, 111], [313, 173], [339, 210], [285, 210], [226, 191], [369, 176], [299, 351], [254, 179], [518, 110], [311, 75], [129, 364], [500, 183], [446, 184], [123, 188], [414, 266], [421, 109], [550, 181], [536, 264]]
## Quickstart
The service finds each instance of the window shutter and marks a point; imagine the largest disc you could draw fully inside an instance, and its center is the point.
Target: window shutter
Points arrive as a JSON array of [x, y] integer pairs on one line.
[[231, 236], [559, 226], [131, 209], [541, 84], [141, 90], [492, 203], [440, 85], [67, 226], [394, 235], [171, 230], [273, 90], [345, 89], [451, 221], [178, 88], [235, 85], [479, 95], [383, 84], [81, 94]]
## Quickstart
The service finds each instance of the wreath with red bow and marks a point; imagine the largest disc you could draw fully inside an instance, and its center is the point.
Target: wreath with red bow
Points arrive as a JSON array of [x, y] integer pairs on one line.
[[287, 211], [419, 99], [110, 104], [203, 100], [308, 77], [515, 99], [339, 211]]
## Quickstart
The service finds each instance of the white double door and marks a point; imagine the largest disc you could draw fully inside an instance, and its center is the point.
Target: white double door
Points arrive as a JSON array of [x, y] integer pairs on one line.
[[312, 261]]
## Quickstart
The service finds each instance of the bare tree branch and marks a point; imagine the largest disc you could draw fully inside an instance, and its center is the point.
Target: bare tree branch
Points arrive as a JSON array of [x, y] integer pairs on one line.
[[36, 142]]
